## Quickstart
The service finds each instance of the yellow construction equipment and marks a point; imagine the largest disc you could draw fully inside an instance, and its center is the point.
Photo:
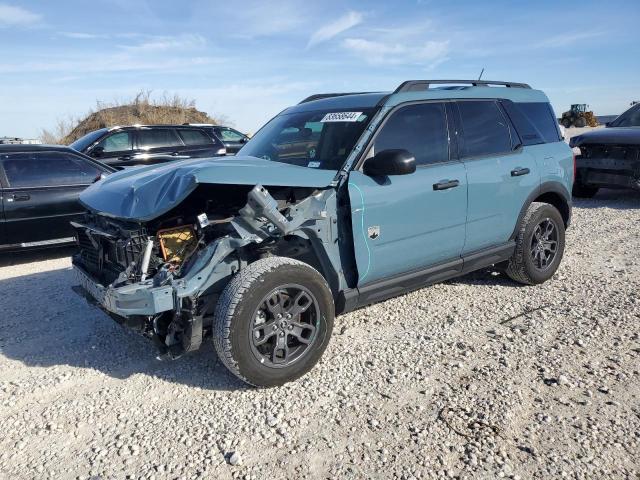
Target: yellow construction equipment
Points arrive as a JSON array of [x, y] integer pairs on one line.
[[578, 116]]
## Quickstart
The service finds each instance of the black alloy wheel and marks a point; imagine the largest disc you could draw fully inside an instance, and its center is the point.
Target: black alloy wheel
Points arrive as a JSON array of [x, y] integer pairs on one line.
[[284, 326], [544, 244]]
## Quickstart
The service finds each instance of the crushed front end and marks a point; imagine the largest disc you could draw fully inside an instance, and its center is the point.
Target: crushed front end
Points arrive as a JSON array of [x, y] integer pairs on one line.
[[608, 165], [163, 276]]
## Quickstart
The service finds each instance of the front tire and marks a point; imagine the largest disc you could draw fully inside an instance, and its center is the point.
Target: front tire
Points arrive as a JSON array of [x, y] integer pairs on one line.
[[539, 245], [273, 321], [580, 122]]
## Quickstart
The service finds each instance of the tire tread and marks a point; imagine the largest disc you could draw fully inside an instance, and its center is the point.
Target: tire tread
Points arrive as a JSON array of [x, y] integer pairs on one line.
[[516, 267], [232, 295]]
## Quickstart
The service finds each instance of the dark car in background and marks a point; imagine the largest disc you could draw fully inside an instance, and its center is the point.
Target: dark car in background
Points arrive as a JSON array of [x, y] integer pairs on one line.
[[232, 139], [609, 157], [39, 187], [148, 144]]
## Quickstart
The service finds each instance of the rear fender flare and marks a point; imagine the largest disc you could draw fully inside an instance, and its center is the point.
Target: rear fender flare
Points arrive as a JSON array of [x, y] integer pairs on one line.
[[556, 188]]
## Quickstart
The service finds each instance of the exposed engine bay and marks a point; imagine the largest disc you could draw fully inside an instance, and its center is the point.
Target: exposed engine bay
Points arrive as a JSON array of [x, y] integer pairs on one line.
[[163, 277]]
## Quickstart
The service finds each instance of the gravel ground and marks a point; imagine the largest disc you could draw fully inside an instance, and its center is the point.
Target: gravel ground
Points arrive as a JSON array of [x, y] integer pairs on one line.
[[474, 378]]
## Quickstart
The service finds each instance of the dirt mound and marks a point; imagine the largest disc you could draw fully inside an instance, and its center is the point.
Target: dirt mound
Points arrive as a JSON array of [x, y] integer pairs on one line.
[[143, 110]]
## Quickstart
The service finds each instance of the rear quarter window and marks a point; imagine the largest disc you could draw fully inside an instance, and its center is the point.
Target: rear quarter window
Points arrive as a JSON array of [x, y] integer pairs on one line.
[[534, 121], [541, 116]]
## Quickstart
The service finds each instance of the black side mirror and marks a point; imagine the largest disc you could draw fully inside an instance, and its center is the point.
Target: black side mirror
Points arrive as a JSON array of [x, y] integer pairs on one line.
[[244, 139], [97, 151], [390, 162]]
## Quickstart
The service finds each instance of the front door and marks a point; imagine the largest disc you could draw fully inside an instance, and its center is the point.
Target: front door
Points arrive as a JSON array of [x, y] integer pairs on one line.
[[409, 222], [41, 197], [116, 149]]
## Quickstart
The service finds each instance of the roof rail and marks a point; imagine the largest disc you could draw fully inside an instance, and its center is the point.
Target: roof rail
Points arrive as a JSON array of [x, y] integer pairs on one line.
[[417, 85], [320, 96]]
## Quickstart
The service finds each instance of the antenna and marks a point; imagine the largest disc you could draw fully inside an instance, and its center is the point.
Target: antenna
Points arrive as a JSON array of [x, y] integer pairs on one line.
[[480, 77]]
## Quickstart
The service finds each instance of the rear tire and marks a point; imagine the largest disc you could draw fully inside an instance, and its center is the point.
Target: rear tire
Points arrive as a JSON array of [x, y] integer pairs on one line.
[[584, 191], [566, 122], [273, 321], [539, 245]]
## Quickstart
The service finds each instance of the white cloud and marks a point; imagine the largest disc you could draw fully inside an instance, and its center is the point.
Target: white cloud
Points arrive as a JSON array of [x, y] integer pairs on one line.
[[16, 16], [182, 42], [82, 35], [330, 30], [569, 38], [110, 64], [426, 53], [259, 19]]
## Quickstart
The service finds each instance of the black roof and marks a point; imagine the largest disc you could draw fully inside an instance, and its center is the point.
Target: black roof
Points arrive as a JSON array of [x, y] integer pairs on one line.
[[24, 147], [165, 125]]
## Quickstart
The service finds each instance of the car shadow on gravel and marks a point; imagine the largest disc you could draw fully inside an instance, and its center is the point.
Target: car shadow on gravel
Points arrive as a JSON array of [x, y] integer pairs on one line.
[[43, 323], [486, 276], [610, 198], [21, 257]]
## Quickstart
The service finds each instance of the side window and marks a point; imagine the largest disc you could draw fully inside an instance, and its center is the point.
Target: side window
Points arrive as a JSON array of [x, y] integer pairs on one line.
[[195, 137], [47, 169], [486, 130], [157, 138], [542, 118], [117, 142], [630, 118], [421, 129], [229, 135]]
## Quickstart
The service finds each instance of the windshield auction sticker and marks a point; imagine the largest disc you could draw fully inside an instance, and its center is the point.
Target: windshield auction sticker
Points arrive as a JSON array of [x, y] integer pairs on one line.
[[341, 117]]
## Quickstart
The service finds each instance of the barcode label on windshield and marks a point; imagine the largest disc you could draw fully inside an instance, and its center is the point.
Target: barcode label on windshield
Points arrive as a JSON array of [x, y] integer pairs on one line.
[[341, 117]]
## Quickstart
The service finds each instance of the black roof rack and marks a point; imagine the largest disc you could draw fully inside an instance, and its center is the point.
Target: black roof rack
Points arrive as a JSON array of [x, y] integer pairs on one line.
[[320, 96], [418, 85]]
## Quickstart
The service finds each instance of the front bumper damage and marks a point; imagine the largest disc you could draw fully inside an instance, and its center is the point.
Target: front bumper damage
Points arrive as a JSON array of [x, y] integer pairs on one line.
[[136, 299], [609, 166], [143, 303]]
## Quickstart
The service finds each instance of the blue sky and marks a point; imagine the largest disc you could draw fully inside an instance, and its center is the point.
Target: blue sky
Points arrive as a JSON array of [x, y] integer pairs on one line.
[[249, 60]]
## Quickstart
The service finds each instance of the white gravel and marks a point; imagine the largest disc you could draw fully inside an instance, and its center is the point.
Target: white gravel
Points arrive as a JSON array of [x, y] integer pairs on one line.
[[474, 378]]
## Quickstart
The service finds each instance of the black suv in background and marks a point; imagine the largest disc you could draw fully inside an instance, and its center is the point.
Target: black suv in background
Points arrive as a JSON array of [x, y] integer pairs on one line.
[[39, 189], [148, 144], [232, 139]]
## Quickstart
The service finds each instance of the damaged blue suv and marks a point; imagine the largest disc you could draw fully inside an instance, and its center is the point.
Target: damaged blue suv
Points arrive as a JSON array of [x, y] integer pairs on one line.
[[338, 202]]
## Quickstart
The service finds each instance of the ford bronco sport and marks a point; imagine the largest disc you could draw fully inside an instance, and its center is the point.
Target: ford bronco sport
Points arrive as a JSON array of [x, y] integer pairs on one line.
[[399, 190]]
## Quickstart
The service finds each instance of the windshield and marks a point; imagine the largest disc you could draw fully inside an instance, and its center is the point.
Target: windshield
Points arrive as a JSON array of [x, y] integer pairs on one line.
[[82, 143], [630, 118], [319, 139]]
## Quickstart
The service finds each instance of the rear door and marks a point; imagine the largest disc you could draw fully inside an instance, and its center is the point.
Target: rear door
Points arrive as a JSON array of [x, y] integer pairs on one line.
[[158, 145], [198, 144], [501, 174], [41, 196]]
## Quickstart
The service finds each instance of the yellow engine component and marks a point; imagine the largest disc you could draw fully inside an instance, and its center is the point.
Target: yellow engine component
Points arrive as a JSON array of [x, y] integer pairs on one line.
[[176, 243]]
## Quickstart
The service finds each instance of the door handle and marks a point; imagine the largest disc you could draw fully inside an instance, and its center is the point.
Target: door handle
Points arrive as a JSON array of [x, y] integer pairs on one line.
[[19, 197], [446, 184], [125, 157], [518, 172]]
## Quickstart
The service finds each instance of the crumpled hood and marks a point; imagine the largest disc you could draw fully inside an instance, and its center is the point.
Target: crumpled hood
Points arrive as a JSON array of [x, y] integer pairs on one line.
[[145, 193], [608, 136]]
